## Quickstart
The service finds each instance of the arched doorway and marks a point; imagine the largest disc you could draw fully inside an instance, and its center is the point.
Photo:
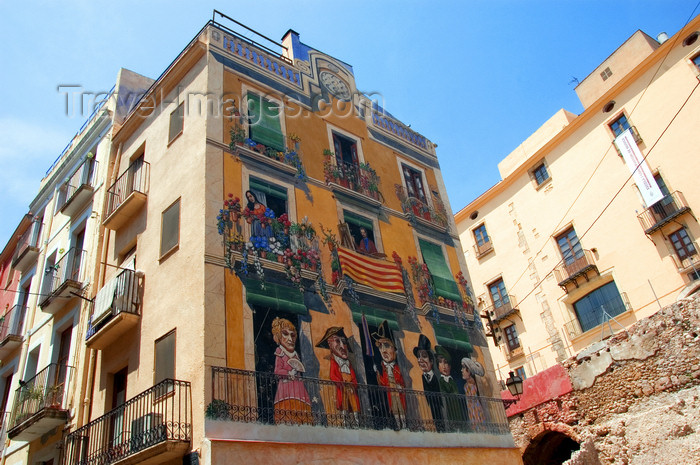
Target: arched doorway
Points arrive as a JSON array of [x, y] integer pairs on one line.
[[549, 448]]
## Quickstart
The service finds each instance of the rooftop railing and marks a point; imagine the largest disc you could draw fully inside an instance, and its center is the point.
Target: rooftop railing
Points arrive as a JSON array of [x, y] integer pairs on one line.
[[663, 212], [158, 415], [250, 397]]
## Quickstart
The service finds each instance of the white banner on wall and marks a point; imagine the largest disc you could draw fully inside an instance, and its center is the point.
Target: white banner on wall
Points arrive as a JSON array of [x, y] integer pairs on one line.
[[638, 167]]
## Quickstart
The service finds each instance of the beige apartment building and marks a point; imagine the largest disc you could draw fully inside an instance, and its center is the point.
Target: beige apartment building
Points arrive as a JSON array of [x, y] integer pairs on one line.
[[569, 246], [270, 274]]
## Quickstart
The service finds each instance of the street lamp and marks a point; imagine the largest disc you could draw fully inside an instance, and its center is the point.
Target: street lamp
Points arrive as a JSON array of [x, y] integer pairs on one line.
[[514, 383]]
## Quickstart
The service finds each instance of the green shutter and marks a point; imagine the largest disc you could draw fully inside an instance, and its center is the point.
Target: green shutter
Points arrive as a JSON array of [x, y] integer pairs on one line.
[[275, 296], [453, 337], [445, 285], [267, 188], [358, 220], [264, 117], [374, 316]]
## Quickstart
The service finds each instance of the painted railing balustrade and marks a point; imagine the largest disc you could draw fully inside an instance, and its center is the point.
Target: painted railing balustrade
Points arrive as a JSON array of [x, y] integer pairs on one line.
[[46, 390], [134, 179], [249, 397], [274, 65], [68, 268], [399, 130], [416, 208], [12, 322], [359, 177], [160, 414]]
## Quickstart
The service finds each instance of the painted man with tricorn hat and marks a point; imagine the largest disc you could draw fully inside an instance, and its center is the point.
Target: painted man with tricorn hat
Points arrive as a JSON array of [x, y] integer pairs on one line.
[[390, 375], [342, 372]]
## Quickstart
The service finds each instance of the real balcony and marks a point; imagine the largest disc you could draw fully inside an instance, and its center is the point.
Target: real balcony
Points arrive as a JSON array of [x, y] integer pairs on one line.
[[40, 404], [11, 324], [482, 249], [249, 397], [153, 427], [579, 265], [62, 281], [600, 315], [127, 195], [27, 249], [505, 308], [433, 216], [77, 191], [117, 310], [350, 179], [516, 352], [663, 212]]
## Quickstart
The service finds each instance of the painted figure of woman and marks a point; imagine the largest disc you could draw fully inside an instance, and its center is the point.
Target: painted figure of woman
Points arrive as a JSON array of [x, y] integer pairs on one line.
[[262, 231], [471, 369], [292, 403], [455, 416]]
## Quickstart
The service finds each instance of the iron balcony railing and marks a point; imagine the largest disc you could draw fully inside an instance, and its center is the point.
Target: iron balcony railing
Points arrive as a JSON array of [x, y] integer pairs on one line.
[[162, 413], [3, 430], [662, 212], [572, 267], [506, 307], [416, 208], [121, 295], [598, 315], [29, 239], [357, 177], [12, 322], [483, 249], [68, 269], [249, 397], [82, 177], [46, 390], [134, 179]]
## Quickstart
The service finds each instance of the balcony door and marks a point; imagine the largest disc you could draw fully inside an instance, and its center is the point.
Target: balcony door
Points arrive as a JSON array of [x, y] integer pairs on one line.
[[499, 296], [118, 434], [62, 364], [414, 183], [569, 246]]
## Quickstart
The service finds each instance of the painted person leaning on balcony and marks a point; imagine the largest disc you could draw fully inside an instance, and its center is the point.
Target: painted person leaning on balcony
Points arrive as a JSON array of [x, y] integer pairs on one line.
[[260, 228], [366, 245], [292, 403]]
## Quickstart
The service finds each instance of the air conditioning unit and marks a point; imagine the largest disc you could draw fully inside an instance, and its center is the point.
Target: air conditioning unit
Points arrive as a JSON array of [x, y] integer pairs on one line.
[[147, 431]]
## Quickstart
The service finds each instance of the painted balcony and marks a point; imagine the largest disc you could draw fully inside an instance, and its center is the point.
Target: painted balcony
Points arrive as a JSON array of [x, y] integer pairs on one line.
[[127, 195], [433, 216], [28, 248], [11, 325], [569, 270], [350, 178], [248, 397], [40, 403], [504, 309], [286, 161], [62, 281], [77, 191], [663, 212], [153, 427], [117, 310]]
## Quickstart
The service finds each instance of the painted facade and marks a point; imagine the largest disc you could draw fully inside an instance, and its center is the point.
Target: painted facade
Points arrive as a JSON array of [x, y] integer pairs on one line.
[[271, 268], [565, 250]]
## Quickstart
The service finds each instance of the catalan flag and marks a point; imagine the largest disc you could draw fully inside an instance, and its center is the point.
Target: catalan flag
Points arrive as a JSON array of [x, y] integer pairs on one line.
[[377, 274]]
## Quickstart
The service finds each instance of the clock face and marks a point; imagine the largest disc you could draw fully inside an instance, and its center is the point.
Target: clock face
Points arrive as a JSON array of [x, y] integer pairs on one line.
[[335, 85]]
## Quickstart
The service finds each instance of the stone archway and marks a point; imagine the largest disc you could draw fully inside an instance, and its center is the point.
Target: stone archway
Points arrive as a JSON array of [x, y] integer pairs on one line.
[[549, 448]]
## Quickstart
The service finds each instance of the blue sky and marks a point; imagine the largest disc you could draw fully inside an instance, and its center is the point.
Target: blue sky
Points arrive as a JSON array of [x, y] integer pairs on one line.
[[476, 77]]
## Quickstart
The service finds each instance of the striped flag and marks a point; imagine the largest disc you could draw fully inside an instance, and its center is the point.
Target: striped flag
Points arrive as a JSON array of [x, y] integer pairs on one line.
[[377, 274]]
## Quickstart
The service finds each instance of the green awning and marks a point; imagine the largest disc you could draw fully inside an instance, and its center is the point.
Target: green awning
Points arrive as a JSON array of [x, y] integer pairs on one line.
[[451, 336], [267, 188], [275, 296], [374, 316], [358, 220], [264, 118], [445, 285]]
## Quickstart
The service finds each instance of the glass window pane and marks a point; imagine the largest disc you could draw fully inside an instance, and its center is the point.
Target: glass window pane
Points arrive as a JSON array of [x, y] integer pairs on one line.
[[591, 310], [170, 233]]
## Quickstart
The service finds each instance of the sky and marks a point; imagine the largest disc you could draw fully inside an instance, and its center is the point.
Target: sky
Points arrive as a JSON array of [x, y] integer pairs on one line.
[[476, 77]]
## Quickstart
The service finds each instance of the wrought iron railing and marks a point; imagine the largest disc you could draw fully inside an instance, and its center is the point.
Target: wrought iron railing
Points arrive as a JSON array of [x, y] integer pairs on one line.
[[123, 298], [82, 177], [578, 264], [160, 414], [249, 397], [360, 177], [416, 208], [483, 249], [134, 179], [598, 316], [505, 307], [663, 211], [68, 268], [12, 321], [45, 390], [29, 239]]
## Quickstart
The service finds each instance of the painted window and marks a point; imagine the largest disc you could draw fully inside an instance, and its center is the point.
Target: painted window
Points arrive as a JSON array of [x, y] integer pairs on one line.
[[170, 228], [414, 183], [364, 242], [345, 150], [620, 125], [264, 124], [541, 174], [511, 337], [569, 246], [499, 295], [270, 195], [444, 283], [177, 118], [682, 244], [598, 306]]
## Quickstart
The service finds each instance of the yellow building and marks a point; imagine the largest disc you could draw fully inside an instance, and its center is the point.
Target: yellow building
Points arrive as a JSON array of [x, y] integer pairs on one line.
[[567, 248], [273, 276]]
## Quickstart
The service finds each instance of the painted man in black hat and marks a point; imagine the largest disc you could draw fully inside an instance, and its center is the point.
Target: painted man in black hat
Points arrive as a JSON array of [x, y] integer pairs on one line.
[[431, 383], [390, 374]]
